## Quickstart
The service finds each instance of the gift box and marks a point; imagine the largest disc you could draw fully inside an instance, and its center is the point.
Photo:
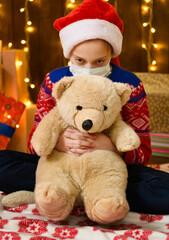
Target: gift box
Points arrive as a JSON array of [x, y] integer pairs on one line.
[[10, 114]]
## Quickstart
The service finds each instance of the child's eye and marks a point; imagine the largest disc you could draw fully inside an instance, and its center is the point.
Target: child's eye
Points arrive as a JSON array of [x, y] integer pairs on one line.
[[79, 60], [100, 61]]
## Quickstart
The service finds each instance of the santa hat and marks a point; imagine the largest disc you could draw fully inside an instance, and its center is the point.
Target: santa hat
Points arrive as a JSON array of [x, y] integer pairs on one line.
[[93, 19]]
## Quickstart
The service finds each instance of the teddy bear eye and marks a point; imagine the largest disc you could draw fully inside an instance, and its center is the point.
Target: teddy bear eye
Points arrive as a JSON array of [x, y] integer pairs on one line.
[[104, 107], [79, 107]]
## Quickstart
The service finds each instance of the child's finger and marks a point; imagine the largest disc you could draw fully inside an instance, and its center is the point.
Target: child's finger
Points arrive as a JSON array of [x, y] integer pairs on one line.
[[80, 144], [76, 134], [79, 151]]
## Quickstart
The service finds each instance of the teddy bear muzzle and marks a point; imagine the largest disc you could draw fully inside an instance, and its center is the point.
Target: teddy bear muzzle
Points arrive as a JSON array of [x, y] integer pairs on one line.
[[89, 120]]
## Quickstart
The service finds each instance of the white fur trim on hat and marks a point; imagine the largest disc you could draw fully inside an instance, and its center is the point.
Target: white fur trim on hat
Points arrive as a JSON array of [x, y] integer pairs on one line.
[[87, 29]]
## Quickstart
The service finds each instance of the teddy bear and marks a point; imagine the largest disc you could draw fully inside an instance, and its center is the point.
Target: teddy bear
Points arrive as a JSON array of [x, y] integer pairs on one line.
[[97, 179]]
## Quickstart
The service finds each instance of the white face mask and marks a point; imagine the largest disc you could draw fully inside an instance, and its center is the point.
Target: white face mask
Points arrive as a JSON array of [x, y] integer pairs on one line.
[[102, 71]]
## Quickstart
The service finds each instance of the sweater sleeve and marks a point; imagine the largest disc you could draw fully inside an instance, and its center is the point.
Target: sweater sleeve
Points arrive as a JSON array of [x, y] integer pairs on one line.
[[136, 114], [45, 103]]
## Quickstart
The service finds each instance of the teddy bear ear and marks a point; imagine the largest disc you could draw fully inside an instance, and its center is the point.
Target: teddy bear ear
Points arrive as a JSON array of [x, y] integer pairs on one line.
[[61, 86], [124, 91]]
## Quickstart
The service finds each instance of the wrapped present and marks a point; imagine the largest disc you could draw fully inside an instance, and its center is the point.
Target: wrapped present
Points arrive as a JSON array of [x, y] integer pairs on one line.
[[10, 114]]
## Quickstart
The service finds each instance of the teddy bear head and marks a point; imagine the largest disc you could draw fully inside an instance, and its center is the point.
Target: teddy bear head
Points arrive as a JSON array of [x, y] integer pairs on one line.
[[90, 103]]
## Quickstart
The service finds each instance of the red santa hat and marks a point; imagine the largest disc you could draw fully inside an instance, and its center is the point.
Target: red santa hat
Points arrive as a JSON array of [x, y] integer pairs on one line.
[[93, 19]]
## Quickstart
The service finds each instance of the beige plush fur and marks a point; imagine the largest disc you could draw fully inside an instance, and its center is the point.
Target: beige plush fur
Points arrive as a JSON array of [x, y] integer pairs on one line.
[[97, 178]]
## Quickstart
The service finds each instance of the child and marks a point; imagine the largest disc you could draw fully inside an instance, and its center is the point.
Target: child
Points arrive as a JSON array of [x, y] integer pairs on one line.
[[90, 38]]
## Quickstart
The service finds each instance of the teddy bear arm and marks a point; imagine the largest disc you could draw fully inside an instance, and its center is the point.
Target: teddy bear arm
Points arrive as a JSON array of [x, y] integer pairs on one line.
[[47, 133], [124, 137]]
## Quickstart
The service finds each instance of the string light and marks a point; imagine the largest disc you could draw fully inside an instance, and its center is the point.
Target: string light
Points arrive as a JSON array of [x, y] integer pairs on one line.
[[145, 24], [145, 8], [155, 45], [153, 30], [23, 41], [28, 104], [30, 29], [22, 10], [17, 125], [152, 68], [29, 23], [20, 63], [32, 85], [148, 9], [26, 49], [143, 45], [27, 80], [9, 45], [70, 5]]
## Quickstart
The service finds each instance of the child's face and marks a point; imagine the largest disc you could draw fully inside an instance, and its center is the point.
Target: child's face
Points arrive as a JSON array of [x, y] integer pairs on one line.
[[91, 54]]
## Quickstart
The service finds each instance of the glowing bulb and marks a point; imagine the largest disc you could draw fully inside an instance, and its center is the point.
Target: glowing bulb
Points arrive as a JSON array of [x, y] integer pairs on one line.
[[73, 1], [28, 104], [9, 44], [69, 63], [147, 1], [153, 68], [32, 86], [153, 30], [155, 45], [22, 9], [26, 80], [18, 64], [23, 41], [30, 29], [26, 49], [29, 23], [145, 8], [154, 62], [17, 125], [143, 45], [145, 24], [70, 5], [31, 0], [8, 116]]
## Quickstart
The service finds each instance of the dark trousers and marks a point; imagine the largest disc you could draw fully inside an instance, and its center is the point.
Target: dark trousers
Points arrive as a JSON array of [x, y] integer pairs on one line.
[[147, 189]]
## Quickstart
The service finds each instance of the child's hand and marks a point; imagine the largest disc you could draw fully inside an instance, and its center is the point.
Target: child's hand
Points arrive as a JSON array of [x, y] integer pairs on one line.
[[104, 142], [74, 142]]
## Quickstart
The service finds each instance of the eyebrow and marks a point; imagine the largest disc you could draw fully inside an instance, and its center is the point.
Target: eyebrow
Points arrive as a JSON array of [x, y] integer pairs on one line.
[[77, 56], [96, 58]]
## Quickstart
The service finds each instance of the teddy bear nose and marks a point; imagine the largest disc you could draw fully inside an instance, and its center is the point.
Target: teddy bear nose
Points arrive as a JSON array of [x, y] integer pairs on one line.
[[87, 124]]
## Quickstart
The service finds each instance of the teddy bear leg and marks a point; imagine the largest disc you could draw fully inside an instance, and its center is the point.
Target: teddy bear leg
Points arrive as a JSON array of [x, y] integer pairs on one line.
[[55, 200], [55, 192], [104, 190], [107, 206]]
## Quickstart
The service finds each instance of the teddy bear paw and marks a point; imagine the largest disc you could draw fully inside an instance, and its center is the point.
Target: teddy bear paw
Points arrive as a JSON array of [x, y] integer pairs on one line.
[[53, 202], [128, 144], [107, 210]]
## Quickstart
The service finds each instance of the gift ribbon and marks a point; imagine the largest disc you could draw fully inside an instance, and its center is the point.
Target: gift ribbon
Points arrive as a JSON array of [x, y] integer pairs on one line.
[[6, 130]]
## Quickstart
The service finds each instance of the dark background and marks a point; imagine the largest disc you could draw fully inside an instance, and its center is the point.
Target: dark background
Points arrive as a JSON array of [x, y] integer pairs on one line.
[[45, 52]]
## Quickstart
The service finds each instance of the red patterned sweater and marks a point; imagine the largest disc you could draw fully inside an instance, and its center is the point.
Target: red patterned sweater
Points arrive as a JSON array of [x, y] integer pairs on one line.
[[135, 112]]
